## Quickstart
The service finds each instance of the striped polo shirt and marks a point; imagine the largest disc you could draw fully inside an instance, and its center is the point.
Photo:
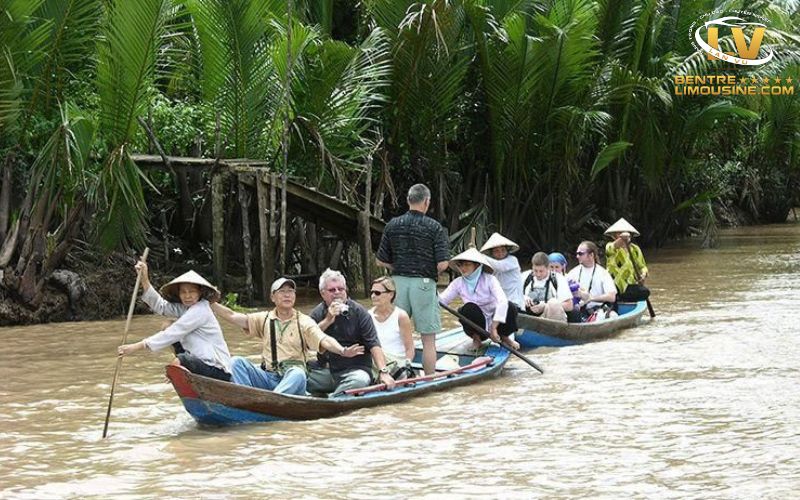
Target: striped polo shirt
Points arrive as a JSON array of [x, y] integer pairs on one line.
[[414, 243]]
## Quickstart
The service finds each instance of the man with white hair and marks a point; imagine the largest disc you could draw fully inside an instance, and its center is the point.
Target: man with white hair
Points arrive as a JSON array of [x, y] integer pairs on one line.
[[415, 249], [349, 323], [288, 336]]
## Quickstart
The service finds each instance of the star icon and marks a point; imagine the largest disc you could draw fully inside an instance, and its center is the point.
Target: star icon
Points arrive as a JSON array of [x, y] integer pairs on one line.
[[765, 80], [777, 79], [743, 81], [789, 80]]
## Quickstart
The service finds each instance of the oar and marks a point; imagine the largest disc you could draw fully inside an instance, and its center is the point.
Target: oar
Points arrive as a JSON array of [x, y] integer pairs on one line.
[[650, 308], [124, 338], [638, 275], [483, 331]]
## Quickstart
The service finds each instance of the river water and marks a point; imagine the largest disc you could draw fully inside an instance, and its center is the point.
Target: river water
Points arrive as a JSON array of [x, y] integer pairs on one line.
[[702, 402]]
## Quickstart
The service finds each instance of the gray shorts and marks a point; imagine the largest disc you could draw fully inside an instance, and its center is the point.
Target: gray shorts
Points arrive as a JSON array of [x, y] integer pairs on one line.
[[418, 297]]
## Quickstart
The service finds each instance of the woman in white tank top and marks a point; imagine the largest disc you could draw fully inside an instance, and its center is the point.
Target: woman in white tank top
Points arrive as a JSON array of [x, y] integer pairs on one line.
[[391, 322]]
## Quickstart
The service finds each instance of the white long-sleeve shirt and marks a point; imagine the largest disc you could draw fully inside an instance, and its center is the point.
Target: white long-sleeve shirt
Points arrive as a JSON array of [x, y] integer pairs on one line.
[[507, 272], [196, 328]]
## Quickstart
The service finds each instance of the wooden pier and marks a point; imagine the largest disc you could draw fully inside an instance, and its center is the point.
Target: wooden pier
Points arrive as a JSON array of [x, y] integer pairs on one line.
[[346, 222]]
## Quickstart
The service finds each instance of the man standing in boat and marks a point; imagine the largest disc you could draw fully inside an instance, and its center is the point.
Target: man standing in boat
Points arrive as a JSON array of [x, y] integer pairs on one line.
[[414, 247], [289, 336], [349, 323], [626, 263]]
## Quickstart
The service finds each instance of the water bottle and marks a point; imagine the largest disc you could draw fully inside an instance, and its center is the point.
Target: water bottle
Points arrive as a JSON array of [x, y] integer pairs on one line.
[[574, 286]]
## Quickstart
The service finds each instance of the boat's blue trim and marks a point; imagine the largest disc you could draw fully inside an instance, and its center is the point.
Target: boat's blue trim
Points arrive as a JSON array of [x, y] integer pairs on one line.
[[208, 413], [530, 339]]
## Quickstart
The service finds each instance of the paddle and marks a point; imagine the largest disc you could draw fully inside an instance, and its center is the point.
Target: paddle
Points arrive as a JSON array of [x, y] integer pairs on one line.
[[638, 275], [124, 338], [483, 331], [477, 363]]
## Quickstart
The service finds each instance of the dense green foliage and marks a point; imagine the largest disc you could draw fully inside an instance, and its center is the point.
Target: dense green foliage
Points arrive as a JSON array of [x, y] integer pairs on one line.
[[543, 119]]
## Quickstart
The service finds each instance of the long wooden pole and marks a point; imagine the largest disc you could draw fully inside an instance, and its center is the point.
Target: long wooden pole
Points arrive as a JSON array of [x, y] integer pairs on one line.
[[483, 331], [124, 339]]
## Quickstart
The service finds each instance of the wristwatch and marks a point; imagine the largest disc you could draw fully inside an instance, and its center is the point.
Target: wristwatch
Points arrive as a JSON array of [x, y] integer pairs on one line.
[[385, 369]]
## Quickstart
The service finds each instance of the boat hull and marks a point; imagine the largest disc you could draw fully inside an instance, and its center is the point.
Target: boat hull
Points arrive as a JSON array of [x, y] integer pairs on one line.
[[539, 332], [215, 402]]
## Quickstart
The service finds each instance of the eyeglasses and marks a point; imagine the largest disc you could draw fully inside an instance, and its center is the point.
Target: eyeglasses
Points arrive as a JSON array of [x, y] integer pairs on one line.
[[336, 289], [379, 292], [583, 253]]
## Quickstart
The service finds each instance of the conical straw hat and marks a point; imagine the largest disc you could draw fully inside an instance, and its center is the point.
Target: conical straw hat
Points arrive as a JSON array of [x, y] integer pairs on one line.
[[498, 240], [170, 290], [471, 255], [621, 226]]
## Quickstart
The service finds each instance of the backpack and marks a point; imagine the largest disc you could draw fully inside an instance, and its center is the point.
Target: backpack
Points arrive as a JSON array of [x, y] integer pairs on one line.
[[551, 280]]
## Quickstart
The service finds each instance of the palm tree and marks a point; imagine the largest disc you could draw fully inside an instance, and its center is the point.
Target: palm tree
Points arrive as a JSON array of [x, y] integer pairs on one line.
[[62, 179]]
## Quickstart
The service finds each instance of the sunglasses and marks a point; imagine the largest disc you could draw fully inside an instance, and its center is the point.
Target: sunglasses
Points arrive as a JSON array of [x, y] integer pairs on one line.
[[582, 253], [378, 292], [336, 289]]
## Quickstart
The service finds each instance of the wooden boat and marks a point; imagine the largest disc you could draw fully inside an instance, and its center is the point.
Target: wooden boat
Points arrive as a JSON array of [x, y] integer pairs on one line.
[[540, 332], [215, 402]]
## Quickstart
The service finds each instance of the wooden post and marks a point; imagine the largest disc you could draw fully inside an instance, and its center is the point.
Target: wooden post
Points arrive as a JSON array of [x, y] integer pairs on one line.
[[336, 255], [165, 234], [244, 204], [363, 232], [150, 144], [313, 248], [272, 222], [365, 246], [263, 232], [284, 221], [218, 227]]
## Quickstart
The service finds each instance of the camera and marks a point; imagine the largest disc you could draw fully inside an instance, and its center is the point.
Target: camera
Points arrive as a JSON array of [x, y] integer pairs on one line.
[[344, 309]]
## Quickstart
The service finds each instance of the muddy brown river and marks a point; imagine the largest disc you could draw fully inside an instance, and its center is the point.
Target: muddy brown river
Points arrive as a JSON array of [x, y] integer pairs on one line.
[[702, 402]]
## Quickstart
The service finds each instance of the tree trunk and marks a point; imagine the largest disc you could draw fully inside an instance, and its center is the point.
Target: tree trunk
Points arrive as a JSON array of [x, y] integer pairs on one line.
[[31, 261], [5, 195]]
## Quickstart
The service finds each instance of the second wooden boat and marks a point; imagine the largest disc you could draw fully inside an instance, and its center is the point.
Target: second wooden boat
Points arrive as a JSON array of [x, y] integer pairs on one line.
[[540, 332]]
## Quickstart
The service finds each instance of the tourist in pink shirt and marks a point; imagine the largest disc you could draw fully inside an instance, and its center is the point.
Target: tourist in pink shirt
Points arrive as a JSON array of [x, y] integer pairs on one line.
[[485, 303]]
